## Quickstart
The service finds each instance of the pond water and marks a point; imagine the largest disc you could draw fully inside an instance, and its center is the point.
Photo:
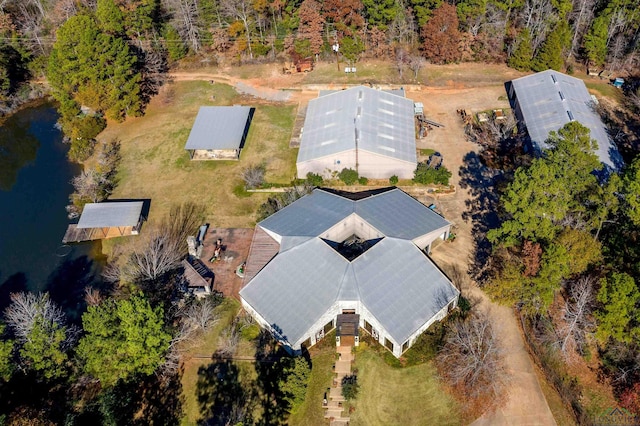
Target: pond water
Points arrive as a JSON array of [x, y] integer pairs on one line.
[[34, 190]]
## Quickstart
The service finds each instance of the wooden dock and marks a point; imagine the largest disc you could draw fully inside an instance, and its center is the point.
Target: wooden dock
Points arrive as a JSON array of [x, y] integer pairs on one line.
[[76, 235]]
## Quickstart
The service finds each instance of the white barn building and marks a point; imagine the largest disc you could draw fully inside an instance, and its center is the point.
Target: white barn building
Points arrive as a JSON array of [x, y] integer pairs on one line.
[[364, 129], [332, 253], [548, 100]]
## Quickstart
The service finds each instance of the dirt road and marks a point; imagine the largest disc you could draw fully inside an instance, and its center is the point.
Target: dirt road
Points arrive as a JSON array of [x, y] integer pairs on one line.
[[525, 404]]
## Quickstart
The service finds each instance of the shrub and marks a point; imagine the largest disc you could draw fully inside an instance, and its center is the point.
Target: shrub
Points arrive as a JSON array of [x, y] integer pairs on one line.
[[350, 386], [348, 176], [363, 180], [393, 180], [426, 175], [314, 179], [253, 176]]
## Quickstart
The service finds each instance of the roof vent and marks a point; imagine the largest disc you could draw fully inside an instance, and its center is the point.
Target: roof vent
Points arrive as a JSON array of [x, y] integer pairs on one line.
[[562, 98], [553, 77], [359, 113], [570, 114], [360, 95]]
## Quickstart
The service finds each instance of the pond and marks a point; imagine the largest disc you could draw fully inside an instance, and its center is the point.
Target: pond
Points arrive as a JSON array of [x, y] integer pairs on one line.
[[35, 177]]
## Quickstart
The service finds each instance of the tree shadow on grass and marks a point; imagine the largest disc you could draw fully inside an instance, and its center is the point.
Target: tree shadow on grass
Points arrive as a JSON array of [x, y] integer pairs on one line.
[[481, 208], [223, 399], [272, 362]]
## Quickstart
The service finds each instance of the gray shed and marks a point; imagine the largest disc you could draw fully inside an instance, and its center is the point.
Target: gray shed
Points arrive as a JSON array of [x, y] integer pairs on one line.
[[106, 220], [548, 100], [219, 132], [341, 253]]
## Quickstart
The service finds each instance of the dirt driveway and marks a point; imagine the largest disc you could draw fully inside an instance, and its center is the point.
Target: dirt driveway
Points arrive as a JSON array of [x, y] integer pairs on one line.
[[525, 404]]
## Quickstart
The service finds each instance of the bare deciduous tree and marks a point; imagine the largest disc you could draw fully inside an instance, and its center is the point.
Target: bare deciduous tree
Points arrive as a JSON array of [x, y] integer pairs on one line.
[[416, 63], [253, 176], [242, 11], [26, 307], [472, 357], [153, 258], [185, 20], [91, 185], [576, 312], [228, 341]]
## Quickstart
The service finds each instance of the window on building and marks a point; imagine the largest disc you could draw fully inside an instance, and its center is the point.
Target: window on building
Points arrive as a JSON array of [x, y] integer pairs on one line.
[[328, 327], [388, 344], [368, 327], [306, 343], [405, 346]]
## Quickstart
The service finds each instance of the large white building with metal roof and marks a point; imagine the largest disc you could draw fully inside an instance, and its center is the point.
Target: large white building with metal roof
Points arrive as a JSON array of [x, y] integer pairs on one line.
[[332, 253], [368, 130], [548, 100]]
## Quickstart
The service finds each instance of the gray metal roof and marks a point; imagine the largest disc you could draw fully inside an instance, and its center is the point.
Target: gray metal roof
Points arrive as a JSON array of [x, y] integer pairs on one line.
[[310, 215], [397, 283], [383, 124], [110, 214], [394, 213], [218, 127], [548, 100], [297, 287], [401, 286]]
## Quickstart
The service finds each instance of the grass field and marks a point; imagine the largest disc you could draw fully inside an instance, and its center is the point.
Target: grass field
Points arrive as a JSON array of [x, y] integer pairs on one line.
[[310, 412], [400, 396], [206, 345], [155, 164]]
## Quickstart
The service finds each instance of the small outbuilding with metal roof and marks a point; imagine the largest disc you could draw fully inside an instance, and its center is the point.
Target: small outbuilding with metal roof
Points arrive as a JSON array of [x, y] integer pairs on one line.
[[219, 132], [548, 100], [106, 220], [368, 130], [335, 253]]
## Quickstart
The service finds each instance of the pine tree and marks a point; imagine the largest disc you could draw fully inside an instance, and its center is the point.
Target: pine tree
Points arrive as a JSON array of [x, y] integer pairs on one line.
[[522, 55], [551, 54]]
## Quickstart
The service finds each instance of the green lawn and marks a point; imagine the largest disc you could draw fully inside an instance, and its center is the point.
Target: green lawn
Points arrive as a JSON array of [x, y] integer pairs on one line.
[[155, 164], [206, 346], [311, 413], [400, 396]]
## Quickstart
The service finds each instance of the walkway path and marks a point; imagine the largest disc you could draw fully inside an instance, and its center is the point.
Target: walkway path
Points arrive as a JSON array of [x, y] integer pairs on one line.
[[334, 398]]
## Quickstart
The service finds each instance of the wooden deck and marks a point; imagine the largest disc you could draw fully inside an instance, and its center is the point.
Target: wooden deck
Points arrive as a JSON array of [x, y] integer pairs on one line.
[[263, 249], [76, 235]]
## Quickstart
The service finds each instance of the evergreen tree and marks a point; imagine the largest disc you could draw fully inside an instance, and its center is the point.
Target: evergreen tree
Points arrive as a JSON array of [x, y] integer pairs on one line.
[[92, 68], [551, 54], [559, 184], [521, 57], [380, 12], [44, 351], [110, 17], [618, 317], [595, 41], [6, 349], [122, 338]]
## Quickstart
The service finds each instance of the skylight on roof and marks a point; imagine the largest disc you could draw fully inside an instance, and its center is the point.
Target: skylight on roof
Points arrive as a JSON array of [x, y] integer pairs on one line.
[[386, 148], [553, 77], [388, 125], [387, 101], [562, 98], [386, 111], [382, 135], [329, 142], [570, 114]]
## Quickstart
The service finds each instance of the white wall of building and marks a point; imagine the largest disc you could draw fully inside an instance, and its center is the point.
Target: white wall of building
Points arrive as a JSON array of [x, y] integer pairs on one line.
[[352, 224], [324, 166], [376, 166]]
